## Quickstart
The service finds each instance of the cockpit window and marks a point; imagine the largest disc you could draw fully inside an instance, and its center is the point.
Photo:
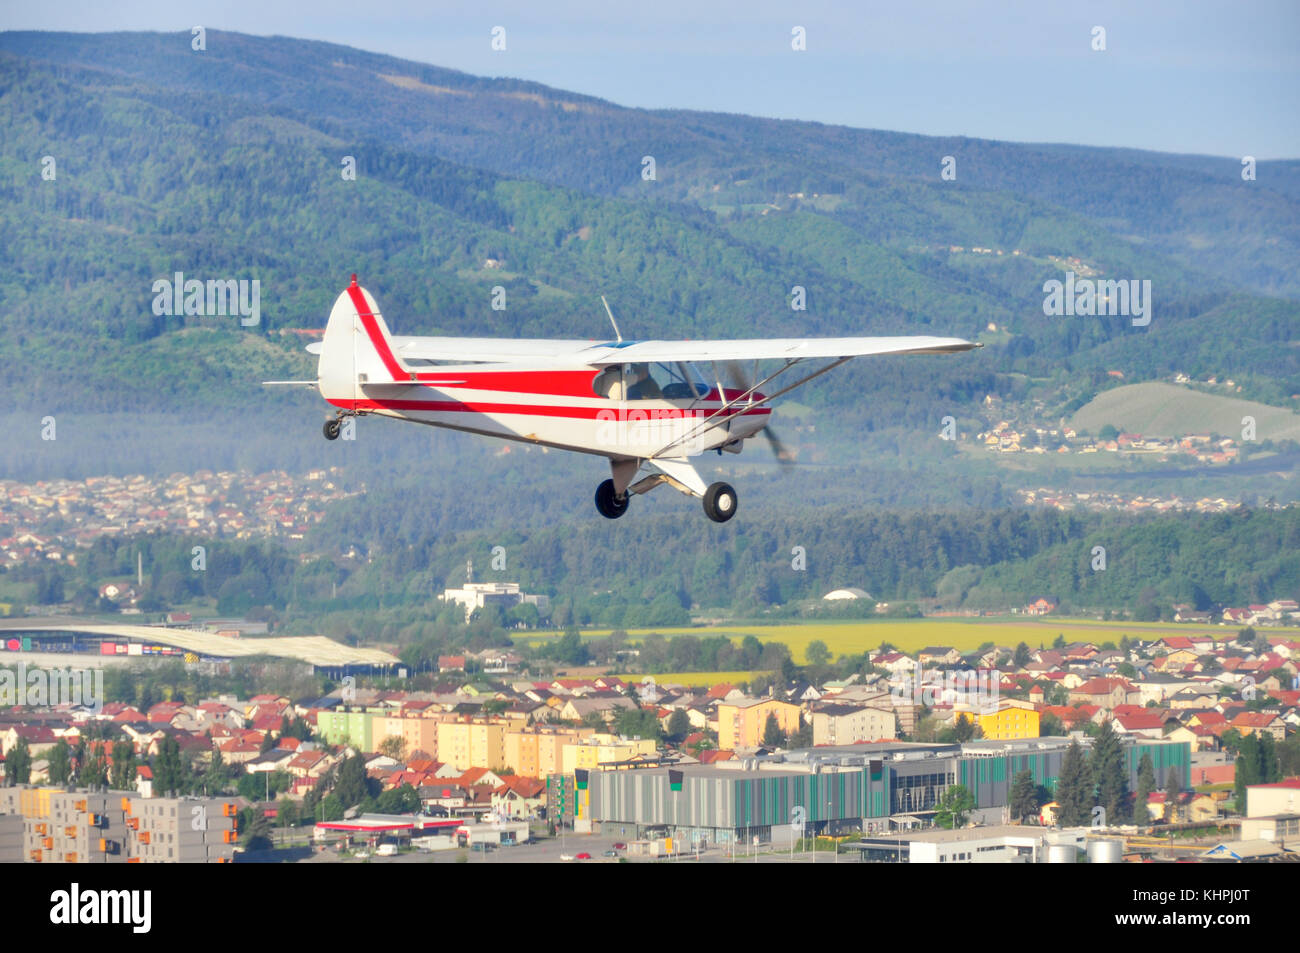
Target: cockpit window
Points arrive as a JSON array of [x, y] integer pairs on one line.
[[650, 381]]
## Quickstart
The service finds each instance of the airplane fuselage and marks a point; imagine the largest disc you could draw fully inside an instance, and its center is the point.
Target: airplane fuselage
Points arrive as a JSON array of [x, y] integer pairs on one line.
[[559, 407]]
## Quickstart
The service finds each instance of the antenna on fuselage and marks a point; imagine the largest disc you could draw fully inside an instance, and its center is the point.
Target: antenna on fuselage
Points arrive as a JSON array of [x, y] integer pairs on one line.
[[617, 333]]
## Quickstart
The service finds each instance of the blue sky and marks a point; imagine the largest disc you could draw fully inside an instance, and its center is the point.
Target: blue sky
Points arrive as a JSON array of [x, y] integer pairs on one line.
[[1217, 78]]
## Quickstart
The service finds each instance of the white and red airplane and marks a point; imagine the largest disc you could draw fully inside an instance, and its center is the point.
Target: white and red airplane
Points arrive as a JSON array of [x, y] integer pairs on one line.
[[644, 405]]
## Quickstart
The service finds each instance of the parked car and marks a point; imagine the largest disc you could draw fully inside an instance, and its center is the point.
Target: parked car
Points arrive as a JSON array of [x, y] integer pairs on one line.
[[386, 850], [620, 846], [611, 853], [584, 856], [566, 857]]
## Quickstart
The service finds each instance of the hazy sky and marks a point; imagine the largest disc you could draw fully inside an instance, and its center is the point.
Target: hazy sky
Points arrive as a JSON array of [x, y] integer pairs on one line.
[[1220, 78]]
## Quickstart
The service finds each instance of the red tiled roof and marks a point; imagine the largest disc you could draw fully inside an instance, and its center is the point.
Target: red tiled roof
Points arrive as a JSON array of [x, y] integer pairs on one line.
[[522, 786], [1103, 686], [1284, 783], [1140, 722]]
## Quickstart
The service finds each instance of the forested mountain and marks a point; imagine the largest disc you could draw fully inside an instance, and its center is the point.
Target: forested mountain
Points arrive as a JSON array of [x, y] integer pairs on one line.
[[227, 162], [1195, 209]]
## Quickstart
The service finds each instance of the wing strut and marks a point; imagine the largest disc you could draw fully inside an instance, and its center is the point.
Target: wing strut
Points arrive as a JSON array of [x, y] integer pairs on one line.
[[721, 411]]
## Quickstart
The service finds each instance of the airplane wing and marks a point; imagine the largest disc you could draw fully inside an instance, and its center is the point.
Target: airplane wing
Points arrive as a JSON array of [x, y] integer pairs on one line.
[[606, 353], [789, 349]]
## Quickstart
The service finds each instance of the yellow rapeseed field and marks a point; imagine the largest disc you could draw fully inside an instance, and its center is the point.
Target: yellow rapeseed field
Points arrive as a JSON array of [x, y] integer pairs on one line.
[[909, 635]]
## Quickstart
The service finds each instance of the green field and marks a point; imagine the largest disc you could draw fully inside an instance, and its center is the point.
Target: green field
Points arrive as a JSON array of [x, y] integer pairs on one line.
[[909, 635], [1154, 409]]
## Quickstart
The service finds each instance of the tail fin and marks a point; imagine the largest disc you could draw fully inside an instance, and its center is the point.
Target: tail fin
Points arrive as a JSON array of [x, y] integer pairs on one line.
[[358, 348]]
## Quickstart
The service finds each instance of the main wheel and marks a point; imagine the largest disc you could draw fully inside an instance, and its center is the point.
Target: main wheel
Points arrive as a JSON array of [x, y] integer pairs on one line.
[[607, 501], [331, 429], [720, 502]]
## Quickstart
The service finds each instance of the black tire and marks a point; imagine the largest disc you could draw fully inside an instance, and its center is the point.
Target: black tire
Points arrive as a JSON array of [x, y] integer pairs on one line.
[[331, 429], [607, 501], [720, 502]]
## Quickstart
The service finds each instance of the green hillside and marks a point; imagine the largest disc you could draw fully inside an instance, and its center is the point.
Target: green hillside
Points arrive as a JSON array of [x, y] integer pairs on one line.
[[1156, 409], [1193, 209]]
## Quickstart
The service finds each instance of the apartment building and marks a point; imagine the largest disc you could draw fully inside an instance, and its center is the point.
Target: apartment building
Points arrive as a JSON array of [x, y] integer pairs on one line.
[[52, 825]]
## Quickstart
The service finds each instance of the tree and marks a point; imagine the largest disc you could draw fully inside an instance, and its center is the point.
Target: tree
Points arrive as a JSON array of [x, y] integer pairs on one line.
[[1049, 726], [257, 836], [1109, 774], [817, 653], [569, 649], [1021, 658], [638, 723], [1146, 784], [60, 763], [330, 808], [1288, 756], [954, 807], [217, 777], [1074, 788], [1268, 761], [1247, 767], [94, 774], [18, 764], [286, 814], [123, 772], [352, 787], [679, 725], [1024, 797], [399, 800], [1173, 788], [801, 737], [168, 772], [773, 736], [394, 746], [295, 728], [964, 729]]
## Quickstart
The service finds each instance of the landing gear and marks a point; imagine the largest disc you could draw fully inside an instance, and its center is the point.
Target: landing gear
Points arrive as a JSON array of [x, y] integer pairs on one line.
[[720, 502], [608, 502], [332, 428]]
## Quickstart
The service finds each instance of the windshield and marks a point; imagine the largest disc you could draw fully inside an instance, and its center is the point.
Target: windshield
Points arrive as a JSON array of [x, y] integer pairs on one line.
[[651, 381]]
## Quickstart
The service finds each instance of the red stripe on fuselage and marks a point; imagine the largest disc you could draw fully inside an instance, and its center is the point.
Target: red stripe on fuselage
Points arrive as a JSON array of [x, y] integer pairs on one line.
[[558, 383], [540, 410]]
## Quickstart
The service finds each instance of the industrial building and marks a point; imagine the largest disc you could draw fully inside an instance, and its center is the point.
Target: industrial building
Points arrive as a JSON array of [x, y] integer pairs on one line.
[[90, 643], [859, 788], [999, 844]]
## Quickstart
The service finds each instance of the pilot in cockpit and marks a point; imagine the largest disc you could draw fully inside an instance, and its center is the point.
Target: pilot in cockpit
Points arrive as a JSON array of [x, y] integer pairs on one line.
[[641, 385]]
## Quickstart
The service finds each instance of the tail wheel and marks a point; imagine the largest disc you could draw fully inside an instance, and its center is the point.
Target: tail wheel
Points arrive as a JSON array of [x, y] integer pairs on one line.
[[608, 502], [331, 429], [720, 502]]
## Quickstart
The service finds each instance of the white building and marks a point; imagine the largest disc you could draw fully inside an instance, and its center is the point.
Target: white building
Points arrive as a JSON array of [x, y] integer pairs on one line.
[[477, 595]]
